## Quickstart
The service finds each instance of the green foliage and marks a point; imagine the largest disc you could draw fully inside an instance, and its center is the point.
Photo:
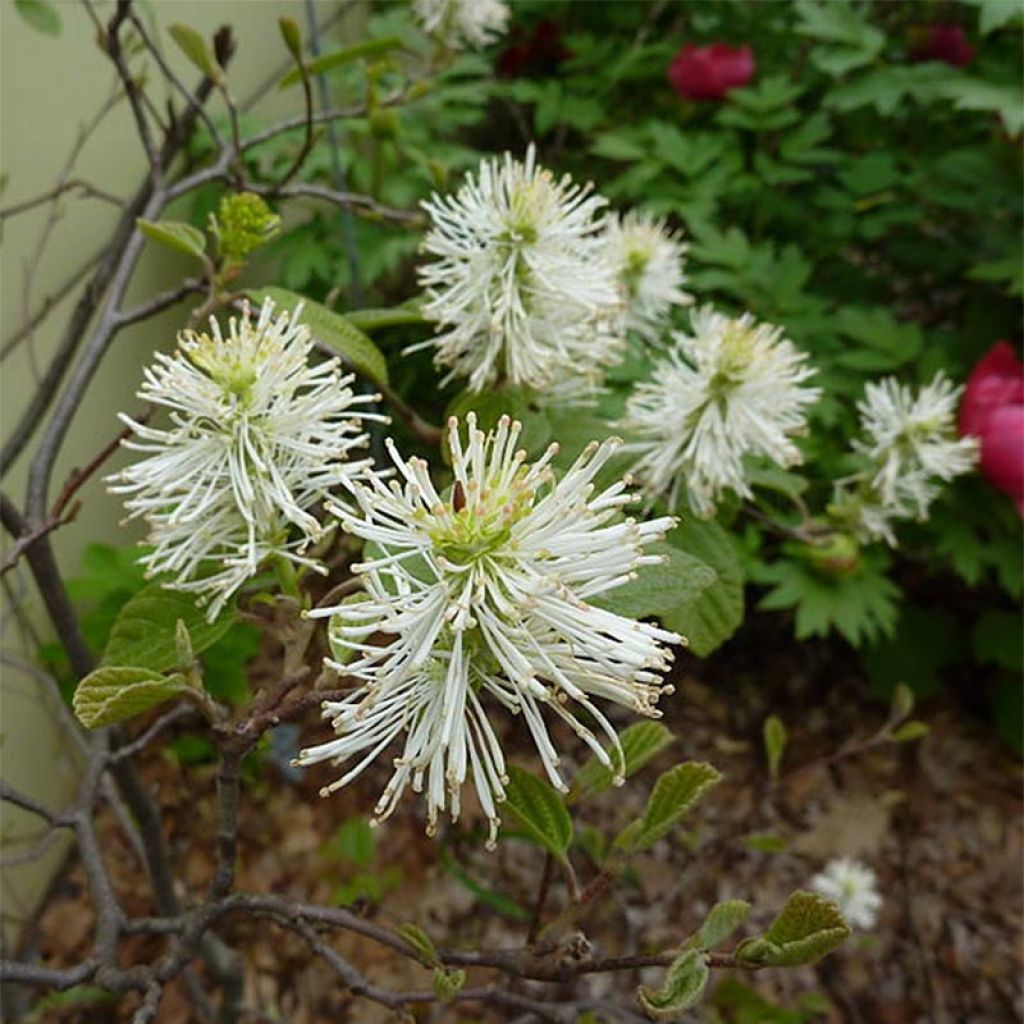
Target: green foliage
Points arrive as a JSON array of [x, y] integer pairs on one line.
[[722, 920], [175, 235], [861, 605], [448, 984], [540, 809], [674, 794], [145, 631], [775, 739], [807, 928], [116, 693], [242, 224], [42, 15], [337, 58], [351, 344], [716, 612], [641, 742], [194, 46], [684, 984]]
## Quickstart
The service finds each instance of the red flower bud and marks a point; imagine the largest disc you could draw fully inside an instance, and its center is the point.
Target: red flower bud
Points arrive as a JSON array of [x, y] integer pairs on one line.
[[993, 411], [709, 72], [947, 43]]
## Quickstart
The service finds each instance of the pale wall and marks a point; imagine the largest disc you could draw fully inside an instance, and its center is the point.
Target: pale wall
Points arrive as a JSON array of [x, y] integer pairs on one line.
[[48, 88]]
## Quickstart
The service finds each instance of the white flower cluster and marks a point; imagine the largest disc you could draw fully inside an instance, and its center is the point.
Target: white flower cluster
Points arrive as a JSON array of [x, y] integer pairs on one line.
[[730, 388], [257, 437], [484, 598], [461, 23], [910, 443], [648, 261], [521, 284], [853, 887]]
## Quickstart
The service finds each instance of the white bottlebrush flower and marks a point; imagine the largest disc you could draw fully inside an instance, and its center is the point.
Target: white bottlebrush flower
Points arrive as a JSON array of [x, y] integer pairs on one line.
[[853, 887], [648, 262], [730, 388], [461, 23], [521, 289], [484, 599], [911, 441], [257, 437]]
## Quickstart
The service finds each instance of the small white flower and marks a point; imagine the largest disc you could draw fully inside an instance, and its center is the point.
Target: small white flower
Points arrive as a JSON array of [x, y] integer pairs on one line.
[[730, 388], [521, 281], [484, 598], [460, 23], [911, 440], [853, 887], [648, 261], [257, 438]]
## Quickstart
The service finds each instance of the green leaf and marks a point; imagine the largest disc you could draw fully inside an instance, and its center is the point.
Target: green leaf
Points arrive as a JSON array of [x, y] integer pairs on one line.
[[765, 842], [997, 639], [912, 730], [334, 330], [722, 920], [448, 984], [175, 235], [641, 742], [355, 841], [292, 36], [775, 738], [40, 14], [421, 943], [145, 631], [518, 403], [112, 694], [675, 792], [370, 320], [715, 613], [682, 988], [807, 929], [336, 58], [540, 809], [1006, 100], [194, 46], [662, 589], [901, 703]]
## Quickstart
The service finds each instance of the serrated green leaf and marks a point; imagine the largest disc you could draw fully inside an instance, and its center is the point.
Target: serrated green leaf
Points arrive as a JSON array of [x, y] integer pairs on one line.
[[145, 631], [722, 920], [716, 612], [448, 984], [641, 742], [912, 730], [334, 330], [807, 928], [675, 792], [175, 235], [775, 738], [682, 988], [113, 694], [420, 941], [40, 14], [337, 58], [194, 46], [540, 809]]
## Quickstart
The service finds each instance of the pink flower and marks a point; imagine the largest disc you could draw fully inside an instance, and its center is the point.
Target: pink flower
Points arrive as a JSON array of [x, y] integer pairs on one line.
[[709, 72], [993, 411], [943, 42]]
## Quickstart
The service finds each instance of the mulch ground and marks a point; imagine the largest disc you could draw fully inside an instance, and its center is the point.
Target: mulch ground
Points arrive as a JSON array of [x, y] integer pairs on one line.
[[939, 820]]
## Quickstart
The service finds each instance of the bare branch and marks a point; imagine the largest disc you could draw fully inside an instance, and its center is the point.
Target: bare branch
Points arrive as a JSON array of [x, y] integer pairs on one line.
[[87, 189]]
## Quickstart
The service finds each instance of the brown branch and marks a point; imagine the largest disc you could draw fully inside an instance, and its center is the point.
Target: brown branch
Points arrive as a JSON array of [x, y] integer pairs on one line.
[[86, 188]]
